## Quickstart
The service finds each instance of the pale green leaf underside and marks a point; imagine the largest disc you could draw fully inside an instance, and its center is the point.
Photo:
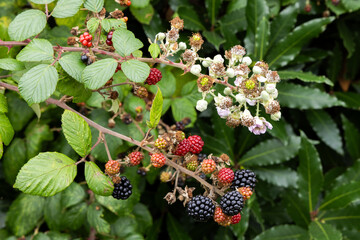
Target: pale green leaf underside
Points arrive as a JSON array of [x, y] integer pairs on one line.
[[108, 24], [135, 70], [77, 132], [125, 42], [6, 129], [37, 50], [46, 174], [94, 5], [11, 64], [73, 65], [66, 8], [97, 74], [97, 181]]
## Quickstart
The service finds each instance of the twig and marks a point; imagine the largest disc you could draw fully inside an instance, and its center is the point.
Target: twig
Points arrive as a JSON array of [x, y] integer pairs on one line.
[[106, 147], [115, 85], [6, 76]]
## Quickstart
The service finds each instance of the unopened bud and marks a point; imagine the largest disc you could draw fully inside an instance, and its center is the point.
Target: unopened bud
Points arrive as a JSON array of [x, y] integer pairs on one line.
[[227, 91], [218, 59], [240, 98], [160, 36], [270, 88], [230, 72], [196, 69], [256, 70], [182, 46], [247, 61], [265, 96], [207, 62], [201, 105], [276, 116]]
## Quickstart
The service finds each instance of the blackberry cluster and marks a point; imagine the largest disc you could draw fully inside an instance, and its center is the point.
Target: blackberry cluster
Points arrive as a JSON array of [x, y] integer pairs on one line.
[[232, 203], [200, 208], [201, 157], [244, 178], [123, 189]]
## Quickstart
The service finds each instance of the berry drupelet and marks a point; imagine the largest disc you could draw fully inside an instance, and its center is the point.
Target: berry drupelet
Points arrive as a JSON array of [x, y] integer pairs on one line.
[[85, 39], [232, 203], [196, 144], [123, 189], [244, 178], [154, 76], [200, 208]]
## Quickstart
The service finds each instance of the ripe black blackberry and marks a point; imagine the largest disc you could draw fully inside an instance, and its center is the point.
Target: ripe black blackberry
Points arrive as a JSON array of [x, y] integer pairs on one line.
[[141, 171], [84, 58], [244, 178], [232, 203], [201, 157], [122, 190], [200, 208]]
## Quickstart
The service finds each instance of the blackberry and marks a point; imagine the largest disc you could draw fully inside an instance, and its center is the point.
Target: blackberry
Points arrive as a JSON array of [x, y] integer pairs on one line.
[[122, 190], [180, 126], [84, 58], [201, 157], [244, 178], [200, 208], [141, 171], [232, 203]]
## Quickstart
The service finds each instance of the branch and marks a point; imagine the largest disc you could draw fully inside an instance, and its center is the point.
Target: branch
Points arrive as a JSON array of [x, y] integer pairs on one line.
[[123, 137]]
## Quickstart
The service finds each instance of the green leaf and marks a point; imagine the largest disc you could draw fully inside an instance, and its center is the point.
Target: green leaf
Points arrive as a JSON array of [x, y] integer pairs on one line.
[[124, 227], [283, 232], [19, 112], [3, 104], [271, 152], [97, 74], [36, 133], [66, 8], [341, 196], [37, 50], [310, 179], [214, 38], [77, 132], [118, 207], [351, 5], [125, 42], [36, 108], [42, 1], [352, 138], [351, 174], [1, 151], [75, 217], [154, 50], [140, 3], [143, 217], [191, 19], [72, 195], [182, 108], [24, 214], [347, 37], [97, 181], [94, 5], [108, 24], [287, 49], [348, 217], [11, 64], [283, 24], [240, 228], [350, 99], [326, 129], [6, 129], [37, 84], [304, 76], [14, 159], [95, 219], [297, 209], [71, 87], [262, 38], [213, 7], [256, 10], [282, 177], [320, 231], [73, 65], [143, 14], [93, 24], [135, 70], [175, 229], [156, 110], [46, 174], [27, 24], [296, 96]]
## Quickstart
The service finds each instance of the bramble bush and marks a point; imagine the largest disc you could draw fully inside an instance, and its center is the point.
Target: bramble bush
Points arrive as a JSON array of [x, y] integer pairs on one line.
[[176, 119]]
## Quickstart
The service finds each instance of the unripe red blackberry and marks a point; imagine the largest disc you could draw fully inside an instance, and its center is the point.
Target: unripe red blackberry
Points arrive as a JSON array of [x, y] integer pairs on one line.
[[196, 144], [221, 218], [154, 76], [200, 208], [135, 158], [232, 203], [236, 219], [85, 39], [109, 38], [307, 7], [183, 148], [208, 166], [226, 176], [112, 167], [122, 190], [158, 160]]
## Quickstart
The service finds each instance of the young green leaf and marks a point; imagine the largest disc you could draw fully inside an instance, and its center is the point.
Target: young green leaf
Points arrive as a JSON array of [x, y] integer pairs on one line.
[[352, 138], [304, 76], [27, 24], [125, 42], [341, 196], [46, 174], [175, 229], [156, 110], [262, 38], [96, 220], [135, 70], [94, 5], [93, 24], [310, 174], [322, 231], [73, 65], [11, 64], [77, 132], [108, 24], [37, 84], [66, 8], [97, 181], [6, 129], [97, 74], [284, 232], [326, 129], [154, 50], [37, 50]]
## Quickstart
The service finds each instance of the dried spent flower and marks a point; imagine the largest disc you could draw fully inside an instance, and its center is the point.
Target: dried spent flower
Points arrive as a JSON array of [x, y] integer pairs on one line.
[[177, 23]]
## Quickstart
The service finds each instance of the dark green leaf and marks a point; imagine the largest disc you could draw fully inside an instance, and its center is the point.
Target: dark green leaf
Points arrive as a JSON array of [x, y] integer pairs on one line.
[[97, 181], [240, 228], [46, 174], [352, 138], [262, 38], [125, 42], [143, 14], [175, 229], [14, 159], [36, 133], [213, 7], [94, 5], [282, 177], [72, 195], [124, 227], [95, 219], [347, 36], [351, 175], [71, 87], [304, 76], [351, 5], [140, 3], [11, 64], [97, 74], [326, 129], [297, 209], [6, 129], [214, 38], [350, 99], [66, 8], [73, 65], [341, 196], [135, 70], [156, 110], [143, 217], [285, 232], [191, 18], [320, 231], [37, 50], [296, 96], [256, 10], [348, 217], [19, 112], [182, 108]]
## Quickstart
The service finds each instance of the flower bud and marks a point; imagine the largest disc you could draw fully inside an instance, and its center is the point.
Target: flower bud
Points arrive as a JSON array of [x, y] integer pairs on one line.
[[247, 61], [262, 79], [270, 88], [206, 63], [276, 116], [227, 91], [274, 94], [201, 105], [195, 69], [265, 96], [240, 98], [230, 72], [218, 59], [256, 70], [160, 36], [182, 46]]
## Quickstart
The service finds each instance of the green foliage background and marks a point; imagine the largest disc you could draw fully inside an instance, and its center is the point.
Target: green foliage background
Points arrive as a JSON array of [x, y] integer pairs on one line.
[[307, 166]]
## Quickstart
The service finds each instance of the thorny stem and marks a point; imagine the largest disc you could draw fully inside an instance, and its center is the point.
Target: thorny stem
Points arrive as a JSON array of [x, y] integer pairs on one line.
[[125, 138]]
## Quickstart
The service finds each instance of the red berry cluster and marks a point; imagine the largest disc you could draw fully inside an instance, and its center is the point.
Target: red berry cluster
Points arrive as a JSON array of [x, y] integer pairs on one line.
[[109, 38], [135, 158], [85, 39], [112, 167], [193, 144], [226, 176], [154, 76], [183, 148], [158, 160]]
